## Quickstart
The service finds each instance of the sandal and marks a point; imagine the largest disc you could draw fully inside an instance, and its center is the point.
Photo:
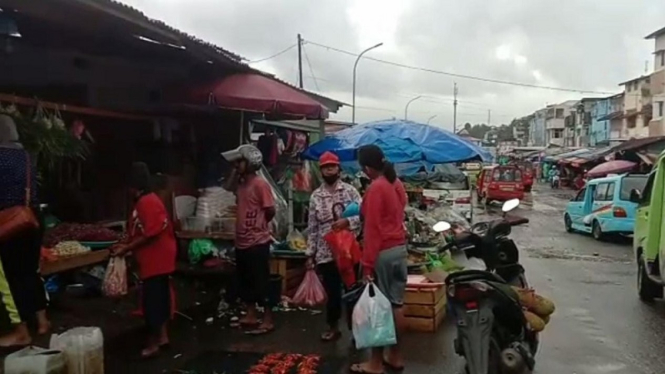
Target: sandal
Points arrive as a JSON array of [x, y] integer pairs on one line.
[[331, 336], [358, 369], [261, 330]]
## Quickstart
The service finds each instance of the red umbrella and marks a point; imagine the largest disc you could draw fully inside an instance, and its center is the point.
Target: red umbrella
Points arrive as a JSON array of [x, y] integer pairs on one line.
[[611, 167], [257, 93]]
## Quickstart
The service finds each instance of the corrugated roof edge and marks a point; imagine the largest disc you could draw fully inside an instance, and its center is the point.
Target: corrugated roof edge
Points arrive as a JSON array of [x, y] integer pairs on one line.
[[655, 34], [233, 57]]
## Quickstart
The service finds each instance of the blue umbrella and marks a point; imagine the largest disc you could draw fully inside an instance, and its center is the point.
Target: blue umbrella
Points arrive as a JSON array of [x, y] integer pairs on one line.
[[403, 142]]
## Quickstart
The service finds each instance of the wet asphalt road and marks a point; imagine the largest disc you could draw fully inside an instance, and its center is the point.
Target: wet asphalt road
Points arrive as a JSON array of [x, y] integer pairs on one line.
[[600, 325]]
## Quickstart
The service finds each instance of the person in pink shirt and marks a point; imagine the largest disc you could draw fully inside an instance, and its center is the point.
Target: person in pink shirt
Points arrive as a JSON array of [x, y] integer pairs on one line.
[[256, 208], [384, 248]]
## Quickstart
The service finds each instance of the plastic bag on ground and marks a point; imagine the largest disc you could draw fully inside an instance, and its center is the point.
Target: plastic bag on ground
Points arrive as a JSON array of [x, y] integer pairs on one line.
[[115, 279], [346, 251], [310, 292], [372, 321], [35, 360], [83, 348], [199, 249]]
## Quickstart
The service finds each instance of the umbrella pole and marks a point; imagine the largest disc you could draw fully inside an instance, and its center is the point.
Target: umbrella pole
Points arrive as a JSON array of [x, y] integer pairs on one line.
[[242, 125]]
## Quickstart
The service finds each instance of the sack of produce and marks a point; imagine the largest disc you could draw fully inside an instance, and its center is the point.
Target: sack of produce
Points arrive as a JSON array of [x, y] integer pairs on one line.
[[200, 249], [35, 360], [372, 321], [115, 279], [535, 323], [534, 302], [83, 348], [297, 241], [310, 292]]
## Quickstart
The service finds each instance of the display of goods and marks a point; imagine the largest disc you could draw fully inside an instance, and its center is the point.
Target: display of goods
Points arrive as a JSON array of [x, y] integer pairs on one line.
[[297, 241], [69, 248], [79, 232], [286, 363], [535, 323], [83, 348], [35, 360], [534, 302]]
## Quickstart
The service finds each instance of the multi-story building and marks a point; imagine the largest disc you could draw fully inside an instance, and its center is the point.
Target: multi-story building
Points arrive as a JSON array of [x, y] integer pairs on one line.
[[637, 110], [657, 123], [607, 121], [555, 125], [537, 129], [582, 122]]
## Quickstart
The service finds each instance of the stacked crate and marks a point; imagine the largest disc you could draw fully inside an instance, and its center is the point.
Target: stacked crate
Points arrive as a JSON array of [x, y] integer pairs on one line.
[[425, 307]]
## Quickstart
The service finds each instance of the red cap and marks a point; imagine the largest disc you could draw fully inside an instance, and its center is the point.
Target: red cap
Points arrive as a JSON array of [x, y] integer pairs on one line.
[[328, 158]]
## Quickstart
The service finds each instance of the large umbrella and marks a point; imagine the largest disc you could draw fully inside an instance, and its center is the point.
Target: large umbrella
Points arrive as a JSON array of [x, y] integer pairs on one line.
[[611, 167], [403, 142]]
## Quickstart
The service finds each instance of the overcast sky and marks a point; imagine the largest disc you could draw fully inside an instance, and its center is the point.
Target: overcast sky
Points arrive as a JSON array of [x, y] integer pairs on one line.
[[580, 44]]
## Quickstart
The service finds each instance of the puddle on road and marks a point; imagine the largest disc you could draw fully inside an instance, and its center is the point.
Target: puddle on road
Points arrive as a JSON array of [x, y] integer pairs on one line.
[[550, 253]]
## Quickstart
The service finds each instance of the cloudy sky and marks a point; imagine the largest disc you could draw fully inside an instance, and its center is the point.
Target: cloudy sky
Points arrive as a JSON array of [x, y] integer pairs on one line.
[[589, 45]]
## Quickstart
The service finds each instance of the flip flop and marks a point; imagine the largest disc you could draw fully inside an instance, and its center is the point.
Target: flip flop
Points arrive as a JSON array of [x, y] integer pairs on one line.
[[392, 367], [331, 336], [357, 369], [260, 331]]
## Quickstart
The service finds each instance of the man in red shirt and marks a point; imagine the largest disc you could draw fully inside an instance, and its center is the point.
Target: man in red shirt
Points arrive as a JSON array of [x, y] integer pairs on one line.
[[152, 240], [256, 208]]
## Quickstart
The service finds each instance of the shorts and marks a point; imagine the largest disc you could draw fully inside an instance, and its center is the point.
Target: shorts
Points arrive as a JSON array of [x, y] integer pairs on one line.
[[253, 272], [156, 293], [390, 273]]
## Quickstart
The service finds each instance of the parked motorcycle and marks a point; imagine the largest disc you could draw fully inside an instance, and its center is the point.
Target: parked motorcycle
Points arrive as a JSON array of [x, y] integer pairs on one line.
[[555, 182], [492, 331]]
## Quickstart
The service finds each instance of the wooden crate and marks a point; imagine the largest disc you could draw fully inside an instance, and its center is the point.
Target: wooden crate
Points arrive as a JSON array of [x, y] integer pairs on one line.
[[425, 308], [292, 271]]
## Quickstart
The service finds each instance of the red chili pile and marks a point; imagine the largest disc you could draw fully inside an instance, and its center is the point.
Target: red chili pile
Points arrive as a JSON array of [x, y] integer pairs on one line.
[[80, 233], [286, 363]]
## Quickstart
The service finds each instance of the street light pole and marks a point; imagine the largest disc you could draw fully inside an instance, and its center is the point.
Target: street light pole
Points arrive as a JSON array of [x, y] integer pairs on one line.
[[431, 118], [355, 66], [406, 108]]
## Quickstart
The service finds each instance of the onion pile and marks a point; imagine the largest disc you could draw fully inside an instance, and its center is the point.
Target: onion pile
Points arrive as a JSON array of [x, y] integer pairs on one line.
[[79, 232]]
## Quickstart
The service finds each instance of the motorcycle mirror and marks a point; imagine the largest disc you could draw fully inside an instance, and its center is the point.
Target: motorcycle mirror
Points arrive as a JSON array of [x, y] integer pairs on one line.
[[510, 205], [441, 226]]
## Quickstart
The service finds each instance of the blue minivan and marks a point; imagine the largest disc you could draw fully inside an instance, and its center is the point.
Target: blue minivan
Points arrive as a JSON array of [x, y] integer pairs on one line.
[[603, 206]]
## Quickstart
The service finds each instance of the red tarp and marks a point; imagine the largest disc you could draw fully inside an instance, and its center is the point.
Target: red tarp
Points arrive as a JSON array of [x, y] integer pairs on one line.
[[611, 167], [256, 93]]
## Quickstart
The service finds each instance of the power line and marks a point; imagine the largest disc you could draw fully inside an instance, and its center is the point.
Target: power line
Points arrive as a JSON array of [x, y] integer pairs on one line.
[[463, 76], [309, 64], [275, 55]]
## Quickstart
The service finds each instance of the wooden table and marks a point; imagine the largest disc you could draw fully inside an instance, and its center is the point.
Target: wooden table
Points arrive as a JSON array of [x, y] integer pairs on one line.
[[190, 235], [291, 268], [74, 262]]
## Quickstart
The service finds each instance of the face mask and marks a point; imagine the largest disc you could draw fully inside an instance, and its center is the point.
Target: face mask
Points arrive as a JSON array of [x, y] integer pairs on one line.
[[331, 179]]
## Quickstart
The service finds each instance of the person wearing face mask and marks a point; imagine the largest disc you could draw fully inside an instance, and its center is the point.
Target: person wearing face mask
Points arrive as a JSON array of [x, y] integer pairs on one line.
[[325, 209]]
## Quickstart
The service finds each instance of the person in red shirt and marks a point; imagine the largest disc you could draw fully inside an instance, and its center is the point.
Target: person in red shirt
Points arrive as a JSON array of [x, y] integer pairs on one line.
[[384, 247], [256, 208], [152, 241]]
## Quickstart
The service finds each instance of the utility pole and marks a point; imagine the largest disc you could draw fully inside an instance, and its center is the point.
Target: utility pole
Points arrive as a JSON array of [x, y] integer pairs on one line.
[[489, 117], [455, 108], [300, 61]]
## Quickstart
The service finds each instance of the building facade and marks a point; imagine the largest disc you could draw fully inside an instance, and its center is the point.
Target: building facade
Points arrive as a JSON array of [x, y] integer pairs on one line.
[[555, 122], [537, 129], [637, 110], [657, 123]]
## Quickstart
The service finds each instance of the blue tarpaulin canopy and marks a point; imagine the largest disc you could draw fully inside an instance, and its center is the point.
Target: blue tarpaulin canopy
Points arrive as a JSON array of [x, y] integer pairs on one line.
[[403, 142]]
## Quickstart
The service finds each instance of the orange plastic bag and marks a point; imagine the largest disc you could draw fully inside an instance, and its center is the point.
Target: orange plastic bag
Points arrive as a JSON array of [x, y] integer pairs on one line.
[[310, 292], [346, 251]]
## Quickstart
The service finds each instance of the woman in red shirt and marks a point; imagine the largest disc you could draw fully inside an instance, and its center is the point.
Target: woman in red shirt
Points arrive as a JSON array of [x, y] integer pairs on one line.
[[152, 240], [384, 247]]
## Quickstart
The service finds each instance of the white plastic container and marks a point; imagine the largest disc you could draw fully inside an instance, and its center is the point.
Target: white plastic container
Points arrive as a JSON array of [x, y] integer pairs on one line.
[[35, 360], [83, 348]]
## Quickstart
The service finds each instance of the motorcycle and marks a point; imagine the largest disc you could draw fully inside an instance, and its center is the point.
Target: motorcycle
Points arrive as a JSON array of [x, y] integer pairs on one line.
[[555, 182], [492, 333]]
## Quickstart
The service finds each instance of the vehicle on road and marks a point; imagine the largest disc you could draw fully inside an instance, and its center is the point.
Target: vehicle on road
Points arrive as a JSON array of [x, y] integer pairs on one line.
[[604, 207], [528, 173], [648, 239], [500, 183], [492, 332], [458, 195]]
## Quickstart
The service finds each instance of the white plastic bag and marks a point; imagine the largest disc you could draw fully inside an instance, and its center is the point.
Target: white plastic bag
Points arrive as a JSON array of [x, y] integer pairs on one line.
[[115, 279], [373, 324], [35, 360], [83, 348]]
